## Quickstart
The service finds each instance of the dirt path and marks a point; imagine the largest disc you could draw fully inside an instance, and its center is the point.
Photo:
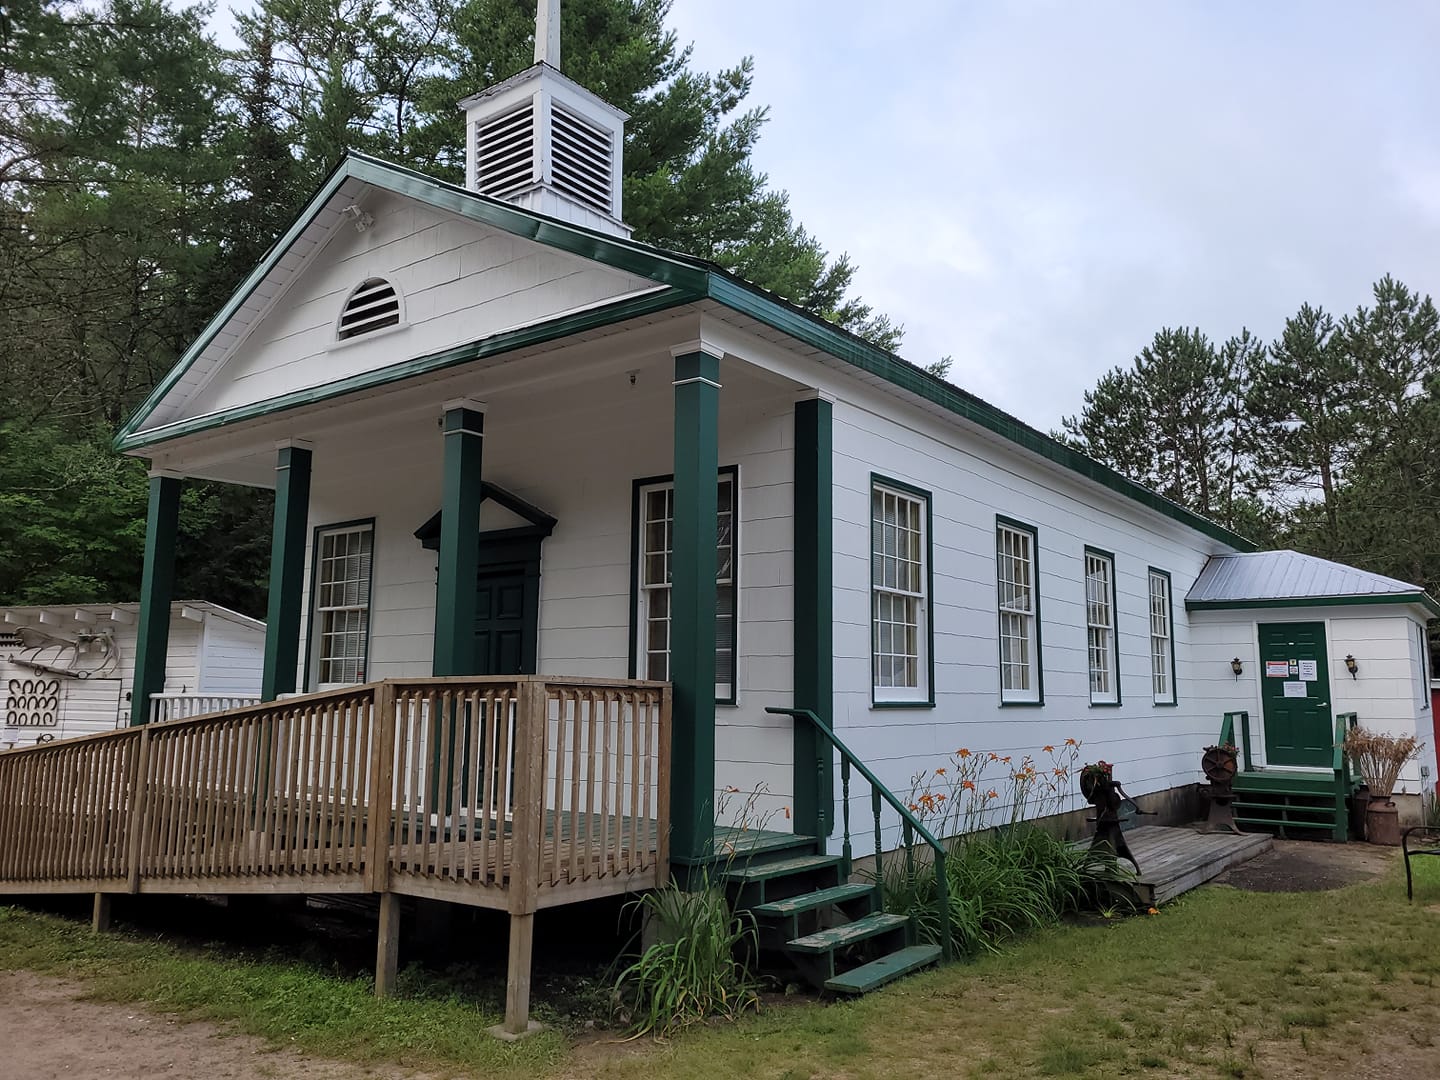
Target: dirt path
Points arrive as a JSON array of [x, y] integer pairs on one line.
[[50, 1034], [1309, 866]]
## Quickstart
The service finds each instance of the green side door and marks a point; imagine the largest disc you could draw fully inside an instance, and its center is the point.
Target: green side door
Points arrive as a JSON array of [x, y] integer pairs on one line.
[[1295, 695]]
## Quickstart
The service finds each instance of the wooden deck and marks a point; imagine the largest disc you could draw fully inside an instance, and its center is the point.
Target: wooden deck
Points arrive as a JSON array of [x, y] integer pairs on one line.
[[511, 793], [1173, 861]]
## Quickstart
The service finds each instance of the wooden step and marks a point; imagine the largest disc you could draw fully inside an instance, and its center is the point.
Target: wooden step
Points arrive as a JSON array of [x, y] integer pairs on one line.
[[838, 937], [1250, 794], [765, 871], [877, 973], [796, 905], [1284, 783]]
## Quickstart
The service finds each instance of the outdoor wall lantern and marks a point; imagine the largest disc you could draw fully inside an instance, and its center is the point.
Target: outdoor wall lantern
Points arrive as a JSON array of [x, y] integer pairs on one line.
[[1351, 665], [1237, 667]]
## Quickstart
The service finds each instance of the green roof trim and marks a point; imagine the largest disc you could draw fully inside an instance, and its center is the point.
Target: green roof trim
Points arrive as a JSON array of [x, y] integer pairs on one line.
[[1420, 599], [689, 279]]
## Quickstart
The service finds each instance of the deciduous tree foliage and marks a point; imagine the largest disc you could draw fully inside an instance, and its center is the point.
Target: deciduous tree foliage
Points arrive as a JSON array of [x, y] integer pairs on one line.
[[144, 171]]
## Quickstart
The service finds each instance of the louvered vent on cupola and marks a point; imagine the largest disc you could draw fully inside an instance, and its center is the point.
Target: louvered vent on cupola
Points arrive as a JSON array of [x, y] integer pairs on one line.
[[543, 142], [582, 158], [373, 306], [505, 152]]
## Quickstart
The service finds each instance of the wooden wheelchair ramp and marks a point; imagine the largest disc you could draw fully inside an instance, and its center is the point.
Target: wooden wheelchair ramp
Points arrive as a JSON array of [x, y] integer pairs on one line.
[[509, 793]]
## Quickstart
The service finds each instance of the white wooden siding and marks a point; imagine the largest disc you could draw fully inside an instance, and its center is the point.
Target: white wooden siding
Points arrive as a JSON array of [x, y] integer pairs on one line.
[[459, 281], [972, 479], [232, 657], [575, 453]]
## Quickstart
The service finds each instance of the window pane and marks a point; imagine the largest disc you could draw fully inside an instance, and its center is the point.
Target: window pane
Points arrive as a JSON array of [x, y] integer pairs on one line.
[[342, 601]]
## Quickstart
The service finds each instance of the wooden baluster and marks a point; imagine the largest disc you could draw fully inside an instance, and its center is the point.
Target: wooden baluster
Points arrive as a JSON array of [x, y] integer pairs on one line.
[[662, 793], [573, 872], [875, 807], [845, 852], [908, 837]]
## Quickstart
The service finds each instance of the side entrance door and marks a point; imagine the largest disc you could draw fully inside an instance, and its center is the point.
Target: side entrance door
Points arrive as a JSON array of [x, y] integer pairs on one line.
[[1295, 695]]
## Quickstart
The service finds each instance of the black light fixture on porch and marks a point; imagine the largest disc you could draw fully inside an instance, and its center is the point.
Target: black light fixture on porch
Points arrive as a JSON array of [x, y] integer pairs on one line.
[[1237, 667], [1351, 665]]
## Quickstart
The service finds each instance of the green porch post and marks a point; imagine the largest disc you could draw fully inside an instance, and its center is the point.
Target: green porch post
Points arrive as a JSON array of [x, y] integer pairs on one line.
[[157, 584], [692, 603], [455, 583], [287, 563], [814, 606]]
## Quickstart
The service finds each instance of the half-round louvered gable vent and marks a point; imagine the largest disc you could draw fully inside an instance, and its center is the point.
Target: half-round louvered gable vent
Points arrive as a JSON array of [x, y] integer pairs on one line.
[[373, 306]]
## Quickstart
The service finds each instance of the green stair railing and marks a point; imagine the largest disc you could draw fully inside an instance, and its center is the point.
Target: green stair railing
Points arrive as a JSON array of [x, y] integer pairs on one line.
[[1345, 722], [1227, 735], [910, 826]]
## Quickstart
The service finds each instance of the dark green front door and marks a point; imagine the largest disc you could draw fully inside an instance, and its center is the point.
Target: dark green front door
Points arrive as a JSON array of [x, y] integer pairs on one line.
[[1295, 695], [505, 625]]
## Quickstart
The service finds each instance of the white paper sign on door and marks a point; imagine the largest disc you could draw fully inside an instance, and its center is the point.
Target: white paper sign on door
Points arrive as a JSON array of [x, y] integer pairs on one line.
[[1277, 669], [1308, 672], [1295, 689]]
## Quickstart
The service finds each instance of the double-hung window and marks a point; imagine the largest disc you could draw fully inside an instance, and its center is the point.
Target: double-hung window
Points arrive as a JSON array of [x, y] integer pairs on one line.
[[1016, 577], [1100, 627], [655, 507], [900, 659], [341, 622], [1162, 639]]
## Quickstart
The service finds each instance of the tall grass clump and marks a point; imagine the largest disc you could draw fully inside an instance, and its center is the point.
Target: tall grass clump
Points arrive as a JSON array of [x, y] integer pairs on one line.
[[699, 965], [1006, 874], [696, 968]]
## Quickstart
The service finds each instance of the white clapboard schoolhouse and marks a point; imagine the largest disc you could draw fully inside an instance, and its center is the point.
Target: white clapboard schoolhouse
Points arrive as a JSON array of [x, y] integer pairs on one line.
[[560, 517]]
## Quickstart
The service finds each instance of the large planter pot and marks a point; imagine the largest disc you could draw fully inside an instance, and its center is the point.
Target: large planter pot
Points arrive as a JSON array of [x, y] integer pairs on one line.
[[1382, 821]]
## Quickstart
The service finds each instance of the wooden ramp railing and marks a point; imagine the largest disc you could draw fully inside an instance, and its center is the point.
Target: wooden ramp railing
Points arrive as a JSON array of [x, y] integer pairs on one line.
[[511, 793]]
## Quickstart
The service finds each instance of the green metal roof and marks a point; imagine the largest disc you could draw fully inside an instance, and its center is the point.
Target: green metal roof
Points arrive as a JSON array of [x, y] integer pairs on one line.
[[686, 280]]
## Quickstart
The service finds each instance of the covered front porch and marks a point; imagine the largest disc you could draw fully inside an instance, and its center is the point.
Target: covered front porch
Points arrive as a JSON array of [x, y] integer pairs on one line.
[[579, 487]]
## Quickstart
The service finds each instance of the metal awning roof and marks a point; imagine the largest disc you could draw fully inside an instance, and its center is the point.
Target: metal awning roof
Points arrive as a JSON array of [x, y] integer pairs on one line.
[[1283, 578]]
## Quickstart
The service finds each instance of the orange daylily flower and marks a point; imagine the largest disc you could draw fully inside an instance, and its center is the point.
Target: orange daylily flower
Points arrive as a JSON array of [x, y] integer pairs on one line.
[[967, 785], [1048, 749], [1071, 742], [962, 753], [939, 772]]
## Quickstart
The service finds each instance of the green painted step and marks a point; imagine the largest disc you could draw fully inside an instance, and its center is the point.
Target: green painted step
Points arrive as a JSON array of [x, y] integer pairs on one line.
[[1288, 822], [795, 905], [838, 937], [887, 969], [748, 843], [1320, 794], [780, 868], [1284, 783]]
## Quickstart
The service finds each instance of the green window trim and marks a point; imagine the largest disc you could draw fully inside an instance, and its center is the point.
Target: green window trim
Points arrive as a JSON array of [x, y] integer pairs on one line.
[[1113, 698], [1020, 698], [1173, 699], [312, 645], [923, 695], [637, 491]]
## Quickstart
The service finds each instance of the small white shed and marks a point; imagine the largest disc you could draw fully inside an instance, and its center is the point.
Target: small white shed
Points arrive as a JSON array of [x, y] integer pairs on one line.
[[67, 669]]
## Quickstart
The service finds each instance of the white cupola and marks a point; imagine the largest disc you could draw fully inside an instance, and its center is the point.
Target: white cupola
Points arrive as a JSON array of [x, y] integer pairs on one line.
[[544, 142]]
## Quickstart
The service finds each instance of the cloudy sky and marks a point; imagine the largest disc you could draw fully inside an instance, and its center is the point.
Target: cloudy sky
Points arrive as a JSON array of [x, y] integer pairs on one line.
[[1035, 188]]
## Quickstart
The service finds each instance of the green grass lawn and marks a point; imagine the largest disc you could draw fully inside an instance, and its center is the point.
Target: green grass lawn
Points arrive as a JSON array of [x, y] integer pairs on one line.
[[1221, 983]]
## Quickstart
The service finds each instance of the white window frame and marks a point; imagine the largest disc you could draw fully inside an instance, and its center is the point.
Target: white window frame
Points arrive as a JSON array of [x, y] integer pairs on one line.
[[1017, 603], [652, 581], [1162, 639], [1422, 639], [1101, 630], [901, 669], [325, 611]]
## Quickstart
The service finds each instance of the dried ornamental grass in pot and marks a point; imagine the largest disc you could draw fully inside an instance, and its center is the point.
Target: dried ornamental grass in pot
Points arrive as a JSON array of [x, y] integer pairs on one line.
[[1379, 758]]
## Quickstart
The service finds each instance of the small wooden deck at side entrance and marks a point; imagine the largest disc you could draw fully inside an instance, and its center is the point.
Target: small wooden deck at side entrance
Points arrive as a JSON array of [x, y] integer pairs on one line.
[[1175, 860]]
